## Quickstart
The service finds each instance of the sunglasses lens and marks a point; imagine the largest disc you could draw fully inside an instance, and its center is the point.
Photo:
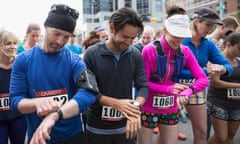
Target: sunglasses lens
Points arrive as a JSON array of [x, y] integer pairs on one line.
[[74, 14], [65, 10]]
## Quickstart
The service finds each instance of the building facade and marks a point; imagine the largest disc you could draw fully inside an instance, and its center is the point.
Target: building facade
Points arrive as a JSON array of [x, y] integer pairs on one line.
[[97, 12]]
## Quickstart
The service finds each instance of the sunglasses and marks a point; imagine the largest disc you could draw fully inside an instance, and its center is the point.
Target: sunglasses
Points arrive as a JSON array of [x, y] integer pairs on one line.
[[62, 9], [213, 16]]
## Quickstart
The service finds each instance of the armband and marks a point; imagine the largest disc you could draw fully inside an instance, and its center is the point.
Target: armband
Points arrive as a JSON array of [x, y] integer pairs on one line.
[[88, 81]]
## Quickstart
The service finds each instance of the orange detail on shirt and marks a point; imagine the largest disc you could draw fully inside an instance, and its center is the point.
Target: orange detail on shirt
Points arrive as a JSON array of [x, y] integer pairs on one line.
[[50, 93]]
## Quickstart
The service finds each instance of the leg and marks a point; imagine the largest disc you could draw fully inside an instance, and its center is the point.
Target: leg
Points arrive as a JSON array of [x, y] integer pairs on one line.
[[198, 117], [168, 129], [4, 132], [232, 130], [19, 124], [149, 122], [145, 136], [168, 134], [220, 128], [233, 125]]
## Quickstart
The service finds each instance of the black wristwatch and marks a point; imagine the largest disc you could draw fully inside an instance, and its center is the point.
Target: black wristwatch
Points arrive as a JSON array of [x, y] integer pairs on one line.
[[191, 87], [60, 113], [137, 104]]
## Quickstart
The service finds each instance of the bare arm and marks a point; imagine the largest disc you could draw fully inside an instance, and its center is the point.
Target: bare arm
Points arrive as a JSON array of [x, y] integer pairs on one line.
[[217, 82], [43, 131], [125, 106], [40, 105]]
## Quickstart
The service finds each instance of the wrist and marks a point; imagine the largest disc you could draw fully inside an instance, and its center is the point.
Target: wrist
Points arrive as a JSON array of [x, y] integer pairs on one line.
[[192, 88]]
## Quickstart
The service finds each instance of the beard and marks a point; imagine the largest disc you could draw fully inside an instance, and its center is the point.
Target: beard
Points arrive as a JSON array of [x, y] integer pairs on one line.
[[119, 46]]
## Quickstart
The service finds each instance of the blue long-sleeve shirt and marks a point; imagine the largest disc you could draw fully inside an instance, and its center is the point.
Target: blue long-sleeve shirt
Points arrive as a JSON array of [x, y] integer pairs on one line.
[[36, 73], [206, 51]]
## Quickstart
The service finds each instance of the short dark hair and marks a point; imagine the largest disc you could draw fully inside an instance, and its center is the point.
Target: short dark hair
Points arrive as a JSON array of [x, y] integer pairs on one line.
[[124, 16], [230, 21], [174, 9], [233, 38], [33, 26]]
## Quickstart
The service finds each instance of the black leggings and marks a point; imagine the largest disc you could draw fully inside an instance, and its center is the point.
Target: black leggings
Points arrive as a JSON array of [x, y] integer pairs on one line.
[[14, 130]]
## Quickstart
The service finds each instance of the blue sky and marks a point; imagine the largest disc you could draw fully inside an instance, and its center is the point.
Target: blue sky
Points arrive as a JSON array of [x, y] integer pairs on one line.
[[17, 14]]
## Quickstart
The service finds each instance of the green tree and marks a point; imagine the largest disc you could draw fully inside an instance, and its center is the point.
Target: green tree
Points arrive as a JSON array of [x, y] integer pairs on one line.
[[238, 14]]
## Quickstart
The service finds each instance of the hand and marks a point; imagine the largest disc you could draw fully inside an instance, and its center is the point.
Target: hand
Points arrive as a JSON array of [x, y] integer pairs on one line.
[[177, 88], [216, 69], [45, 106], [42, 134], [133, 127], [181, 100], [187, 92], [126, 107]]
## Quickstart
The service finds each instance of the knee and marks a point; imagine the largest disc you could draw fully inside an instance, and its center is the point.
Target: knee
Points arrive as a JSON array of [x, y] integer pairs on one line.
[[200, 133], [231, 135], [221, 139]]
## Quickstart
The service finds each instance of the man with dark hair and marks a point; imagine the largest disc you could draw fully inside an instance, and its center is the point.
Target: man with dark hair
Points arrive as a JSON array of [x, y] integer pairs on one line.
[[52, 85], [118, 66]]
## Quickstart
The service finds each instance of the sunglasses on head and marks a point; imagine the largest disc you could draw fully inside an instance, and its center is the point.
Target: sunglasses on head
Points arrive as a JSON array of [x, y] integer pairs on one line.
[[213, 16], [62, 9]]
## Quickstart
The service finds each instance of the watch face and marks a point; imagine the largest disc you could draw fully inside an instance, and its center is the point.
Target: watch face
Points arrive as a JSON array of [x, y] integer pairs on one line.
[[136, 104]]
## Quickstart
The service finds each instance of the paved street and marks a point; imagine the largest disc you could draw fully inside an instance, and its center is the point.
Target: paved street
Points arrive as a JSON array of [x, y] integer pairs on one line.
[[186, 128]]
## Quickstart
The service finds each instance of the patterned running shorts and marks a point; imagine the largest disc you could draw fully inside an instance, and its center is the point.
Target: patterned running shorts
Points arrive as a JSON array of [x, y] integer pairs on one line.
[[197, 99], [151, 120]]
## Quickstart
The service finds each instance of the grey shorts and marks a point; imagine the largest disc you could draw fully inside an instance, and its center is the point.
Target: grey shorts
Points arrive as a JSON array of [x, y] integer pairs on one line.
[[223, 114]]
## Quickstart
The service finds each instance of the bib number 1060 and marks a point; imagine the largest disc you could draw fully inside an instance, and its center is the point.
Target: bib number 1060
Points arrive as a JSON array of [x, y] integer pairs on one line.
[[163, 102]]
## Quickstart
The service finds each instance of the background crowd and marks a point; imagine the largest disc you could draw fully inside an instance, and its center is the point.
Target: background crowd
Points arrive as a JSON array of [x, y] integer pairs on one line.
[[122, 85]]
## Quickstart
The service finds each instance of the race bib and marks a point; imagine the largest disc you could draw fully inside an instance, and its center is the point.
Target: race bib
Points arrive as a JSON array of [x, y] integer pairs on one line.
[[163, 102], [4, 102], [186, 81], [111, 114], [233, 93], [57, 95]]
